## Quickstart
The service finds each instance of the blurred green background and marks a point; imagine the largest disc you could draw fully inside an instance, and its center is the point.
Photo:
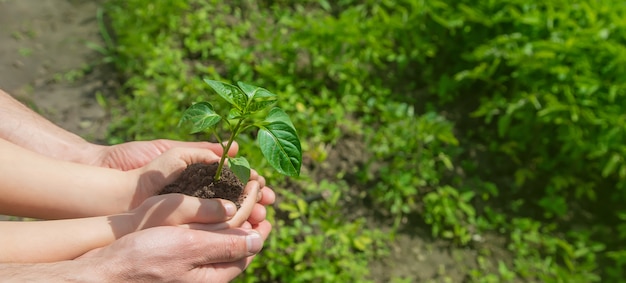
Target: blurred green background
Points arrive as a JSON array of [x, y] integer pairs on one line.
[[493, 130]]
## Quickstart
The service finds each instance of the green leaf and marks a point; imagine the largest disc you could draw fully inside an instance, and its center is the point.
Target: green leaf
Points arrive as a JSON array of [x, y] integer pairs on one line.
[[230, 93], [258, 98], [255, 92], [280, 144], [278, 115], [234, 114], [201, 115], [610, 166], [259, 105], [241, 167]]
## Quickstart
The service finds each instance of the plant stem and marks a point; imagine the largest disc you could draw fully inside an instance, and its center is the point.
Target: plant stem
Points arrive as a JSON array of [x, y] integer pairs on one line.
[[220, 166]]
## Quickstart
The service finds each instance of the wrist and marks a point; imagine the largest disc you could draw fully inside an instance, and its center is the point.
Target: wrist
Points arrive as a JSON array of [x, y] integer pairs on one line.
[[89, 153], [124, 223], [141, 188]]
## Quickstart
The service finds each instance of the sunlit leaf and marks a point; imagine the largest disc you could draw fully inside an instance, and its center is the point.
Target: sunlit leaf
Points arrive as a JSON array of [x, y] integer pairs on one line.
[[280, 144], [230, 93], [201, 115], [278, 115], [258, 98], [255, 92]]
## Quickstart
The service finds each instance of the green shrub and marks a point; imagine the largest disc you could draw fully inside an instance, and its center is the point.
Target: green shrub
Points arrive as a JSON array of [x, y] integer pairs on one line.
[[503, 116], [547, 80], [312, 241]]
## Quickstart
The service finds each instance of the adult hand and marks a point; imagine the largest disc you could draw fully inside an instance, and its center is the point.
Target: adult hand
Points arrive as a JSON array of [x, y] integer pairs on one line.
[[132, 155], [167, 254]]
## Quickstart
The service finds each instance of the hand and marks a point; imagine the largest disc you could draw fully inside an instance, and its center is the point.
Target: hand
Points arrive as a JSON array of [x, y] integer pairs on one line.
[[166, 254], [166, 168], [218, 214], [132, 155], [266, 196], [173, 210]]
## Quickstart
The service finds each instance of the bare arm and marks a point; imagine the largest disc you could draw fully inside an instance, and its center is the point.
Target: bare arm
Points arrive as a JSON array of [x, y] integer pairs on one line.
[[64, 271], [22, 126], [34, 185], [55, 240]]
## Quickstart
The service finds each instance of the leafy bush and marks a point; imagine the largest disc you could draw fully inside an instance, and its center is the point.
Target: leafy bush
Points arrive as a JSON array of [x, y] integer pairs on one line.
[[546, 79], [481, 116], [314, 243]]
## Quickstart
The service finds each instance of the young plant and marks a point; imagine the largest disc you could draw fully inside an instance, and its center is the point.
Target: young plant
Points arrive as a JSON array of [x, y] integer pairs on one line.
[[277, 136]]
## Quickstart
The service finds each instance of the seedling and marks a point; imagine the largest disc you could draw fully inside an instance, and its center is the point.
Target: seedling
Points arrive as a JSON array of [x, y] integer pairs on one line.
[[277, 136]]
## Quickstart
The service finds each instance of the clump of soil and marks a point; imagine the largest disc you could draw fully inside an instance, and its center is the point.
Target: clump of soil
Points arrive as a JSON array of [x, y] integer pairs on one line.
[[197, 181]]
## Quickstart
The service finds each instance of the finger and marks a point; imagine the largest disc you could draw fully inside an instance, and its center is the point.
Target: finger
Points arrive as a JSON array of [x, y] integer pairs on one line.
[[268, 197], [240, 217], [215, 147], [264, 228], [251, 190], [246, 225], [219, 272], [235, 268], [207, 210], [258, 214], [197, 155], [234, 148], [254, 175], [261, 181], [177, 209], [227, 245], [259, 196]]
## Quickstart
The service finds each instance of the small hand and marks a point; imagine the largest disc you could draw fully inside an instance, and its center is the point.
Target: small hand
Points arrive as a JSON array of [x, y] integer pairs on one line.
[[266, 196], [166, 168], [173, 210], [132, 155]]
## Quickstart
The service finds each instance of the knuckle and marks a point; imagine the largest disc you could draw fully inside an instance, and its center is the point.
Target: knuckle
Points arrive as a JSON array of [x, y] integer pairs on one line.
[[233, 247]]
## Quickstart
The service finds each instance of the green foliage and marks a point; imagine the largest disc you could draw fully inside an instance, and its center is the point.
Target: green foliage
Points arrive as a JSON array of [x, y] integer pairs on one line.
[[450, 213], [555, 74], [547, 83], [503, 117], [277, 136], [312, 241]]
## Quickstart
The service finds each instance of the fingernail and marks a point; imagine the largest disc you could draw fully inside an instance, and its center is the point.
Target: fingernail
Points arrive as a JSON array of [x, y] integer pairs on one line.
[[230, 208], [254, 242]]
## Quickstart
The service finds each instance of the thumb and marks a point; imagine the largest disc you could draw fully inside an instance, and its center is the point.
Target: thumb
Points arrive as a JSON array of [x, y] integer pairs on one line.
[[226, 246]]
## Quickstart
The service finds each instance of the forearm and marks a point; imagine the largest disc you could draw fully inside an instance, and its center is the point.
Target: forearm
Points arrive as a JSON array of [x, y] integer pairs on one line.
[[22, 126], [34, 185], [56, 240], [64, 271]]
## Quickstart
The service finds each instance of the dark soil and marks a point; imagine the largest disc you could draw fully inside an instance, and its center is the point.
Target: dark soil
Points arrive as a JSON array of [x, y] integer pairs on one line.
[[197, 181]]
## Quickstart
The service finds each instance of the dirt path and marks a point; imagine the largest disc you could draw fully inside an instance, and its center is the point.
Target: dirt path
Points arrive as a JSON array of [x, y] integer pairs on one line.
[[44, 56]]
